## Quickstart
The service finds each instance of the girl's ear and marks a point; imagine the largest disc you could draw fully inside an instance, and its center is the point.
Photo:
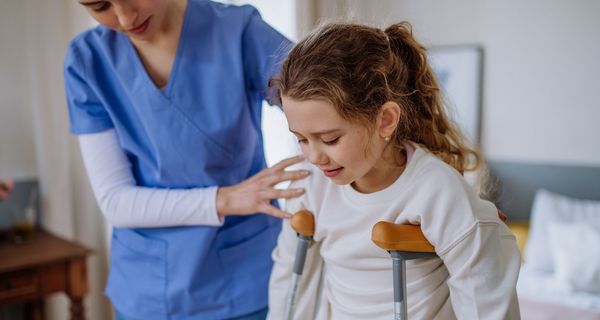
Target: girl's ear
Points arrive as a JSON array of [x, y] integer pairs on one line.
[[389, 116]]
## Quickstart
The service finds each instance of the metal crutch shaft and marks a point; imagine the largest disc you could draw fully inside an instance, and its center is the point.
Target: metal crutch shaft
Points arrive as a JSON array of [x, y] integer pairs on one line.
[[403, 242], [303, 244], [399, 272], [303, 223]]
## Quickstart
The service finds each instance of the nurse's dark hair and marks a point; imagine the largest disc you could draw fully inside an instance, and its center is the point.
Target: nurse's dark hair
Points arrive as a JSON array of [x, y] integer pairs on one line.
[[358, 68]]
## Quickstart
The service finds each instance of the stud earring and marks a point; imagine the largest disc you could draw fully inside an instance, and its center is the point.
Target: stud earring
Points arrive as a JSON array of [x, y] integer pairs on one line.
[[386, 138]]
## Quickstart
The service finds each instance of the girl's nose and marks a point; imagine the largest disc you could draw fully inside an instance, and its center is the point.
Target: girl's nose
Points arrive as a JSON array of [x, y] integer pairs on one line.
[[316, 156], [126, 14]]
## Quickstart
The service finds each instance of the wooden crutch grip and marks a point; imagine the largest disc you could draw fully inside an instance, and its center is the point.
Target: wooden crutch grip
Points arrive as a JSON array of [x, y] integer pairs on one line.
[[303, 222], [400, 237]]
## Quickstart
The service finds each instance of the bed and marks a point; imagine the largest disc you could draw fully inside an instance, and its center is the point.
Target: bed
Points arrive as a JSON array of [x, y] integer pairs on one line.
[[554, 210]]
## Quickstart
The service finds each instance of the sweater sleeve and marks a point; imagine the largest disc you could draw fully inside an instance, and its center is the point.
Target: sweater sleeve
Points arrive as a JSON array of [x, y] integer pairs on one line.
[[126, 205], [483, 267], [308, 294], [477, 248]]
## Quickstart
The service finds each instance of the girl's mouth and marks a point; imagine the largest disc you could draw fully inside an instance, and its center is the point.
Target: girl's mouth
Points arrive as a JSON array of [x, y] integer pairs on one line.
[[333, 173]]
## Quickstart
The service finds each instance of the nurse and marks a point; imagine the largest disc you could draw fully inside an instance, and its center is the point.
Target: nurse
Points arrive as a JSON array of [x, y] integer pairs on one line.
[[165, 97]]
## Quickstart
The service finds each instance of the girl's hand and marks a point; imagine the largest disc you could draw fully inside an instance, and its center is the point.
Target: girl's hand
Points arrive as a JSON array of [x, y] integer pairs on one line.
[[5, 187], [254, 194]]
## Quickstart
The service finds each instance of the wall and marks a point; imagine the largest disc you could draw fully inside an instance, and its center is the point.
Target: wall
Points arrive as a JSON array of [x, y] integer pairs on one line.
[[17, 142], [541, 68]]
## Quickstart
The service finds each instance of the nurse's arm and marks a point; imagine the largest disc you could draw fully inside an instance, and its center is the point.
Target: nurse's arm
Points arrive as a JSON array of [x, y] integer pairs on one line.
[[126, 205]]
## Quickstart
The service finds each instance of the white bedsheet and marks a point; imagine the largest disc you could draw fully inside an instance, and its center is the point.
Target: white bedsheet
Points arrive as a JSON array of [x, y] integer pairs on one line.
[[537, 286]]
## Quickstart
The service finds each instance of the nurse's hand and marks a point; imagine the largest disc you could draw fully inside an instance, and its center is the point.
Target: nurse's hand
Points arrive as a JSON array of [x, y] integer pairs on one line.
[[254, 194]]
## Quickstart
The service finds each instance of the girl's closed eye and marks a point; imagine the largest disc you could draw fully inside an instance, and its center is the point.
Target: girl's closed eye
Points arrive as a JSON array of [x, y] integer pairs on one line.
[[332, 142]]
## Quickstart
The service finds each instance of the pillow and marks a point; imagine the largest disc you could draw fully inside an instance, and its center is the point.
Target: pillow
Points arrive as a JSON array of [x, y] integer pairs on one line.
[[576, 255], [548, 207]]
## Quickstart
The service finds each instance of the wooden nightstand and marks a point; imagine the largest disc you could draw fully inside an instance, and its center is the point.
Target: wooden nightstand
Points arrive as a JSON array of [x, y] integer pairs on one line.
[[44, 265]]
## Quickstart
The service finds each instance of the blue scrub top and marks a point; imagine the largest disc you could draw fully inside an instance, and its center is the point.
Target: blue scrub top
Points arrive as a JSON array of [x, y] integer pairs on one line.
[[203, 129]]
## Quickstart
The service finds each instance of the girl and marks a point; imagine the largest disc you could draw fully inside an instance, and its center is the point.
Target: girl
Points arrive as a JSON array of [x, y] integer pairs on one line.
[[368, 114], [166, 97]]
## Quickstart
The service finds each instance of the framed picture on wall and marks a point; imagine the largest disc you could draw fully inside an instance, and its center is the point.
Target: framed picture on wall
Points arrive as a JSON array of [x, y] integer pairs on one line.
[[459, 70]]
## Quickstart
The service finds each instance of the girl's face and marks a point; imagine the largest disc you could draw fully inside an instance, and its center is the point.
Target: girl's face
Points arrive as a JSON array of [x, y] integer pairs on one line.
[[138, 19], [345, 152]]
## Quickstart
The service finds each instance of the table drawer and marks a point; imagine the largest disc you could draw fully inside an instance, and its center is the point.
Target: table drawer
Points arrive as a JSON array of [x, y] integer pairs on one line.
[[17, 285]]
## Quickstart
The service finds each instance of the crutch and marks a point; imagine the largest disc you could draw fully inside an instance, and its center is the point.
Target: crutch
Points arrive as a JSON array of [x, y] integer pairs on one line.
[[403, 242], [303, 222]]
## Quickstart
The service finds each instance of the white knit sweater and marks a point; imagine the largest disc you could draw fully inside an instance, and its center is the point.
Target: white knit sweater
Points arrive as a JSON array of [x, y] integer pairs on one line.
[[347, 277]]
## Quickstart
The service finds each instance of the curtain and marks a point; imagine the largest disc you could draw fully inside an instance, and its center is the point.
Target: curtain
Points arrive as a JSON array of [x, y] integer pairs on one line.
[[68, 205]]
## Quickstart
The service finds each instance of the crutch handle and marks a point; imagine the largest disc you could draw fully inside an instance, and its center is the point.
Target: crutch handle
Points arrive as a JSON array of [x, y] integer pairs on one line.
[[303, 222], [400, 237]]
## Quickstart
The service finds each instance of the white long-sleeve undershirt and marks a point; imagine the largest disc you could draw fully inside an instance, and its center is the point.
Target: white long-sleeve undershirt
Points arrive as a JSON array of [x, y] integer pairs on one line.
[[124, 204]]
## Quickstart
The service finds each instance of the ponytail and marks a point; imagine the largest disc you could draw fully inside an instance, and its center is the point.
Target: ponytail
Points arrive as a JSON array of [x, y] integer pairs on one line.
[[427, 123]]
